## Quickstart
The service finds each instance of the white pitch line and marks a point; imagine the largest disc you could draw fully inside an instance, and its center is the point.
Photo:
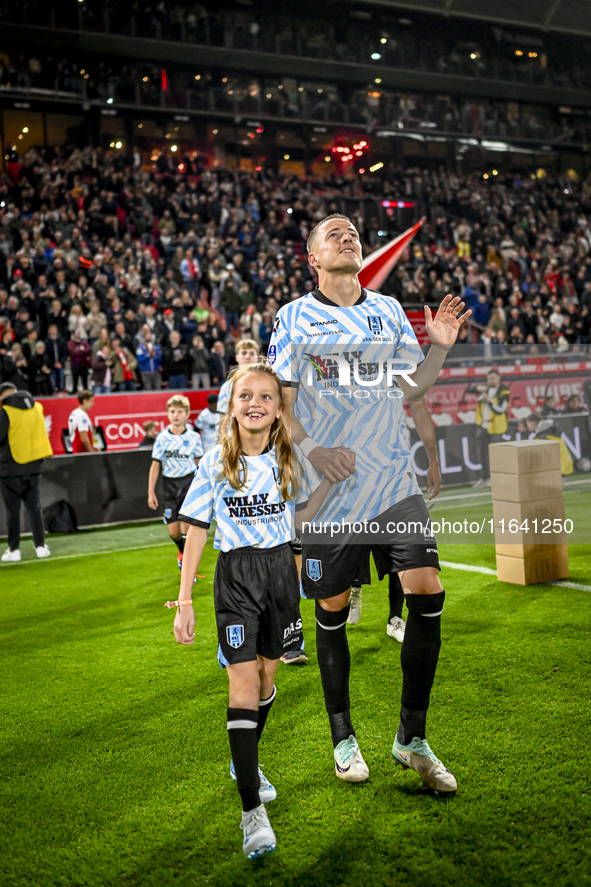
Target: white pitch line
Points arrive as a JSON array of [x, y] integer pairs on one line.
[[469, 568], [65, 557], [564, 584]]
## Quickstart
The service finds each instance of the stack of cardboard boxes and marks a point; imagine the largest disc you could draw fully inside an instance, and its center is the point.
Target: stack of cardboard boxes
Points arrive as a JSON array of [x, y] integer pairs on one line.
[[528, 511]]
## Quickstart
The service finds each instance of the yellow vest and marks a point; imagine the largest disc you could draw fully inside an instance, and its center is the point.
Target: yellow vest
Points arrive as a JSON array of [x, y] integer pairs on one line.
[[497, 423], [27, 437]]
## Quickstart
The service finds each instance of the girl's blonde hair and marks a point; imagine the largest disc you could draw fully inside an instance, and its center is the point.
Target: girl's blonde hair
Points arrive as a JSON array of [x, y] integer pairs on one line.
[[233, 461]]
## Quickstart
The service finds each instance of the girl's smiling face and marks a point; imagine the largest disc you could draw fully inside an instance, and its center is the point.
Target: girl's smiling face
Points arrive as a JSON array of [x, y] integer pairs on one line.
[[255, 402]]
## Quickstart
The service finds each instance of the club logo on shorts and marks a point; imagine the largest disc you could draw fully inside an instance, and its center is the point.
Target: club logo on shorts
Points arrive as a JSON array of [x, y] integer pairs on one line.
[[374, 322], [272, 354], [314, 569], [235, 635], [168, 513]]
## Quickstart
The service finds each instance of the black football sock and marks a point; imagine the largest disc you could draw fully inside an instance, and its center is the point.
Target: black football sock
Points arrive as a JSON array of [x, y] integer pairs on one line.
[[179, 542], [334, 661], [242, 733], [395, 596], [419, 655], [264, 709]]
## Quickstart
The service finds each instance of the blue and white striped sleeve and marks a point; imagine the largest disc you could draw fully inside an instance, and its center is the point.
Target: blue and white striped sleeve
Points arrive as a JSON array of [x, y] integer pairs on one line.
[[197, 509], [281, 353], [159, 448]]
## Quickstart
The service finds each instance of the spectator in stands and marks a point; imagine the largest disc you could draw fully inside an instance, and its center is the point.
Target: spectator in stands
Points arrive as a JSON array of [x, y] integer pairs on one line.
[[101, 370], [80, 354], [39, 367], [175, 362], [574, 405], [57, 353], [149, 358], [218, 364], [199, 364], [439, 417], [465, 415], [124, 366], [14, 368], [550, 407], [517, 410]]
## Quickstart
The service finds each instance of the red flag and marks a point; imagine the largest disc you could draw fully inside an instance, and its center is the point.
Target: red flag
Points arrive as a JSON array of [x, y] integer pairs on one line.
[[378, 265]]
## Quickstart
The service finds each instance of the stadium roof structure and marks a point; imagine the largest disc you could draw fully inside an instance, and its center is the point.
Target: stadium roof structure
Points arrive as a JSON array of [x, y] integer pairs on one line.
[[565, 16]]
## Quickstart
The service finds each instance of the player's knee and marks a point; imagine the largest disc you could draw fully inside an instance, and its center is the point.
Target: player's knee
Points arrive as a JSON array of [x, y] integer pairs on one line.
[[335, 604], [331, 619], [426, 604], [421, 582]]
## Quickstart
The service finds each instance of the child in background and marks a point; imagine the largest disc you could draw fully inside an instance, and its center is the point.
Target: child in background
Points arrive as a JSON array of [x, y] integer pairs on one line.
[[178, 449], [207, 423], [247, 352], [248, 485]]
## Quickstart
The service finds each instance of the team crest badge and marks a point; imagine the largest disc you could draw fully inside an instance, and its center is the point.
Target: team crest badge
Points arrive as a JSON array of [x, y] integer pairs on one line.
[[374, 321], [272, 354], [235, 635], [314, 569]]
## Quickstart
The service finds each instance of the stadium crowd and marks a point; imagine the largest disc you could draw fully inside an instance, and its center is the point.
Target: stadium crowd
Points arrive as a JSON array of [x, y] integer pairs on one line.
[[396, 42], [140, 83], [143, 274]]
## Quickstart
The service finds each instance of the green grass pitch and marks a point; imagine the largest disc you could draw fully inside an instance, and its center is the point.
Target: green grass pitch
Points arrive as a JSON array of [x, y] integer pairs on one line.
[[114, 767]]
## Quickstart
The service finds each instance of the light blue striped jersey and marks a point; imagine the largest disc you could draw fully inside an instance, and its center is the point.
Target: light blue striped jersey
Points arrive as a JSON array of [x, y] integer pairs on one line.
[[224, 397], [342, 364], [208, 423], [257, 515], [177, 452]]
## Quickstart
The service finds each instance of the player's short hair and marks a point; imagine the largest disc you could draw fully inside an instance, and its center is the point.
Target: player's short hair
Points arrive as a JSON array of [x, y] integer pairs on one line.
[[316, 228], [246, 345], [148, 426], [84, 395], [212, 401], [179, 400]]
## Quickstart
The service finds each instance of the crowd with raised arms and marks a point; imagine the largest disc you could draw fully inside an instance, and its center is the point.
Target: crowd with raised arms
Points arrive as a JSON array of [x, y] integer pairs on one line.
[[111, 263]]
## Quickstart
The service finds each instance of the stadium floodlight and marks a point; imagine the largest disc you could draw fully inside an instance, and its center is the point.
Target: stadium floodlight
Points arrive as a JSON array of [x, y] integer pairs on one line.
[[376, 56], [174, 147]]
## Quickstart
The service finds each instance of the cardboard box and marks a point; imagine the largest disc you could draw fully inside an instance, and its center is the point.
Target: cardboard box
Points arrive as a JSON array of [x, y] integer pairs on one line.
[[529, 523], [533, 569], [524, 456], [511, 549], [526, 487]]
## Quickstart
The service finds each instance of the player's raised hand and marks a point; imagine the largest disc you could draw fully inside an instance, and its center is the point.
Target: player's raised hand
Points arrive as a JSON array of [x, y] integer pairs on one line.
[[184, 625], [443, 329], [335, 463], [152, 500]]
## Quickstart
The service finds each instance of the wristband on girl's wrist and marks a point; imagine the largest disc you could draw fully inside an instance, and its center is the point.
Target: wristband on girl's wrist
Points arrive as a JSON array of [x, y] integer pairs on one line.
[[307, 445], [171, 604]]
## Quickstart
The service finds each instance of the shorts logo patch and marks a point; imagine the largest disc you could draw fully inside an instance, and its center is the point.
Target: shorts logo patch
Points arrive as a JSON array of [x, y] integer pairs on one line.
[[272, 354], [235, 635], [314, 569], [374, 321], [168, 513]]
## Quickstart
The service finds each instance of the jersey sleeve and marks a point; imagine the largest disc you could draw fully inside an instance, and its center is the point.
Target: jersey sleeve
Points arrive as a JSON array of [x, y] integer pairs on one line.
[[197, 508], [224, 398], [198, 448], [158, 448], [281, 353]]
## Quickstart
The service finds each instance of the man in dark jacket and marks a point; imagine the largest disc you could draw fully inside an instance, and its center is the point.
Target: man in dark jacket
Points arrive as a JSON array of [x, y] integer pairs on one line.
[[23, 447], [175, 362], [57, 351]]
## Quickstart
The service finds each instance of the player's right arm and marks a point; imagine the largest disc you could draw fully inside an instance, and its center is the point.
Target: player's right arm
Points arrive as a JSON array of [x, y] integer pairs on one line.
[[334, 463], [184, 621], [426, 431], [152, 478]]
